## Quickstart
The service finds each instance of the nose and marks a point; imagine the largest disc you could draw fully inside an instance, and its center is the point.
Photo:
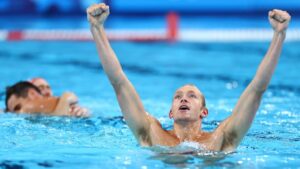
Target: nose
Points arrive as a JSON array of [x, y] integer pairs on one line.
[[183, 100]]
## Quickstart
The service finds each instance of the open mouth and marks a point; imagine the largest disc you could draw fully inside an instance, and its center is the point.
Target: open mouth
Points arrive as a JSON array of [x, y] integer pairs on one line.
[[184, 107]]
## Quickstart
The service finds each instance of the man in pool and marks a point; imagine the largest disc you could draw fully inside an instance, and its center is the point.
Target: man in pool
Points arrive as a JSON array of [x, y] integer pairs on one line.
[[46, 91], [24, 97], [188, 107], [43, 85]]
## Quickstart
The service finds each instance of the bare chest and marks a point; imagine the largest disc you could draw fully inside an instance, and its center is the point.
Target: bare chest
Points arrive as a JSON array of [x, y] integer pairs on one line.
[[209, 141]]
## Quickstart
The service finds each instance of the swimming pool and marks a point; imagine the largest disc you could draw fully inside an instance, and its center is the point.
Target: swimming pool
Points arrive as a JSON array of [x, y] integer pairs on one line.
[[220, 70]]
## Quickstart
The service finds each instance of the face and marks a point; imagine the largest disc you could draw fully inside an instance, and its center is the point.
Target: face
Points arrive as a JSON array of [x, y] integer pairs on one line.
[[30, 104], [43, 86], [187, 104]]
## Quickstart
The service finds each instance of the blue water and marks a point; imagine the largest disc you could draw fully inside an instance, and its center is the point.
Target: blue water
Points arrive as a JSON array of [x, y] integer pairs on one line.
[[220, 70]]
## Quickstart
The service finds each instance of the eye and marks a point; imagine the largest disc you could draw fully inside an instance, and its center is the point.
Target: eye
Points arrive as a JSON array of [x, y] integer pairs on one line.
[[42, 87], [17, 108], [193, 96], [177, 97]]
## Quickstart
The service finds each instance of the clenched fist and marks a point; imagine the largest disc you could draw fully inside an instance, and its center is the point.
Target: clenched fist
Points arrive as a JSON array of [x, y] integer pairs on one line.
[[97, 14], [279, 20]]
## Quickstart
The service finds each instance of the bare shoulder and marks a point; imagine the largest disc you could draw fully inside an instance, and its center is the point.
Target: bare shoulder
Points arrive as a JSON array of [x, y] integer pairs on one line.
[[157, 135]]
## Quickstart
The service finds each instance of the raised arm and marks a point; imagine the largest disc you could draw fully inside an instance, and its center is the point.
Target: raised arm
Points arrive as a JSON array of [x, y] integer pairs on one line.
[[236, 126], [129, 101]]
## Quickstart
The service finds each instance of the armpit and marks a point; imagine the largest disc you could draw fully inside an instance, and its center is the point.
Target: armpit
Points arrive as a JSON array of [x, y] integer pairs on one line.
[[147, 136], [229, 140]]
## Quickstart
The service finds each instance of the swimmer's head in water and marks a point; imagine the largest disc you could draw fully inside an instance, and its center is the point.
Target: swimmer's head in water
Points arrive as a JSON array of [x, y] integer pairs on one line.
[[43, 85], [21, 97], [188, 104]]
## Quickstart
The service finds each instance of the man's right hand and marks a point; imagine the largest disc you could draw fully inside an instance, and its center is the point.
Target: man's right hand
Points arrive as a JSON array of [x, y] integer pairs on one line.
[[97, 14], [76, 110], [73, 107]]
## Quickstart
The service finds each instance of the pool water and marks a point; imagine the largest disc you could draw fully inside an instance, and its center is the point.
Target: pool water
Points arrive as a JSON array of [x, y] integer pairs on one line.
[[220, 70]]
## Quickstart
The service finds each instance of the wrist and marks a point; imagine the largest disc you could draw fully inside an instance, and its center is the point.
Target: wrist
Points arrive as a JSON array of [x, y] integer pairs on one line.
[[96, 26], [280, 34]]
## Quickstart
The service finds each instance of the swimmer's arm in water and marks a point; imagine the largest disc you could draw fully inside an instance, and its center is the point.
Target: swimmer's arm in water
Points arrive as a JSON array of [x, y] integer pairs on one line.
[[63, 106], [236, 126], [67, 106], [132, 108]]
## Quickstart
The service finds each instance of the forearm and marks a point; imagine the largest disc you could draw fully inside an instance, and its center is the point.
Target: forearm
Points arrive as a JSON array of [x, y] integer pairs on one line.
[[62, 109], [268, 64], [64, 103], [107, 56]]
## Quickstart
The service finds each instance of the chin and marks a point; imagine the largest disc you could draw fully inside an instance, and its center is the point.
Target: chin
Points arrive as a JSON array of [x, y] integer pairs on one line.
[[183, 119]]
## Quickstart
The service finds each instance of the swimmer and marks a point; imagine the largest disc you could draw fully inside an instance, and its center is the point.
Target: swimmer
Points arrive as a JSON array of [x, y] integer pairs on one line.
[[188, 108], [43, 85], [24, 97], [46, 91]]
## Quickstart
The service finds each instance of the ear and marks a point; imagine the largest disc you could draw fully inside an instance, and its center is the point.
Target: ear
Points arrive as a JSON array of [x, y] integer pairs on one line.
[[170, 114], [32, 94], [204, 113]]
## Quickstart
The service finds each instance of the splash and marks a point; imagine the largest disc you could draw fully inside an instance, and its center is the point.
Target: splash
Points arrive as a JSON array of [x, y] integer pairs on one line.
[[186, 152]]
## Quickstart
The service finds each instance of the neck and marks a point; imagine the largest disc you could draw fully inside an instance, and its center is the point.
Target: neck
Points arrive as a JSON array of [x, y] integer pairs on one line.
[[187, 131], [47, 104]]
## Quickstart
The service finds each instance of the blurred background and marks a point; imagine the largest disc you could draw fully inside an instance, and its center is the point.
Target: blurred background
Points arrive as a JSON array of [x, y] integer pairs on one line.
[[185, 17], [136, 7]]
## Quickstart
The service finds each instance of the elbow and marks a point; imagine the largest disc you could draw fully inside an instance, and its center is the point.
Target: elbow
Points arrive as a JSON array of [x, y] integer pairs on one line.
[[117, 78], [258, 87]]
